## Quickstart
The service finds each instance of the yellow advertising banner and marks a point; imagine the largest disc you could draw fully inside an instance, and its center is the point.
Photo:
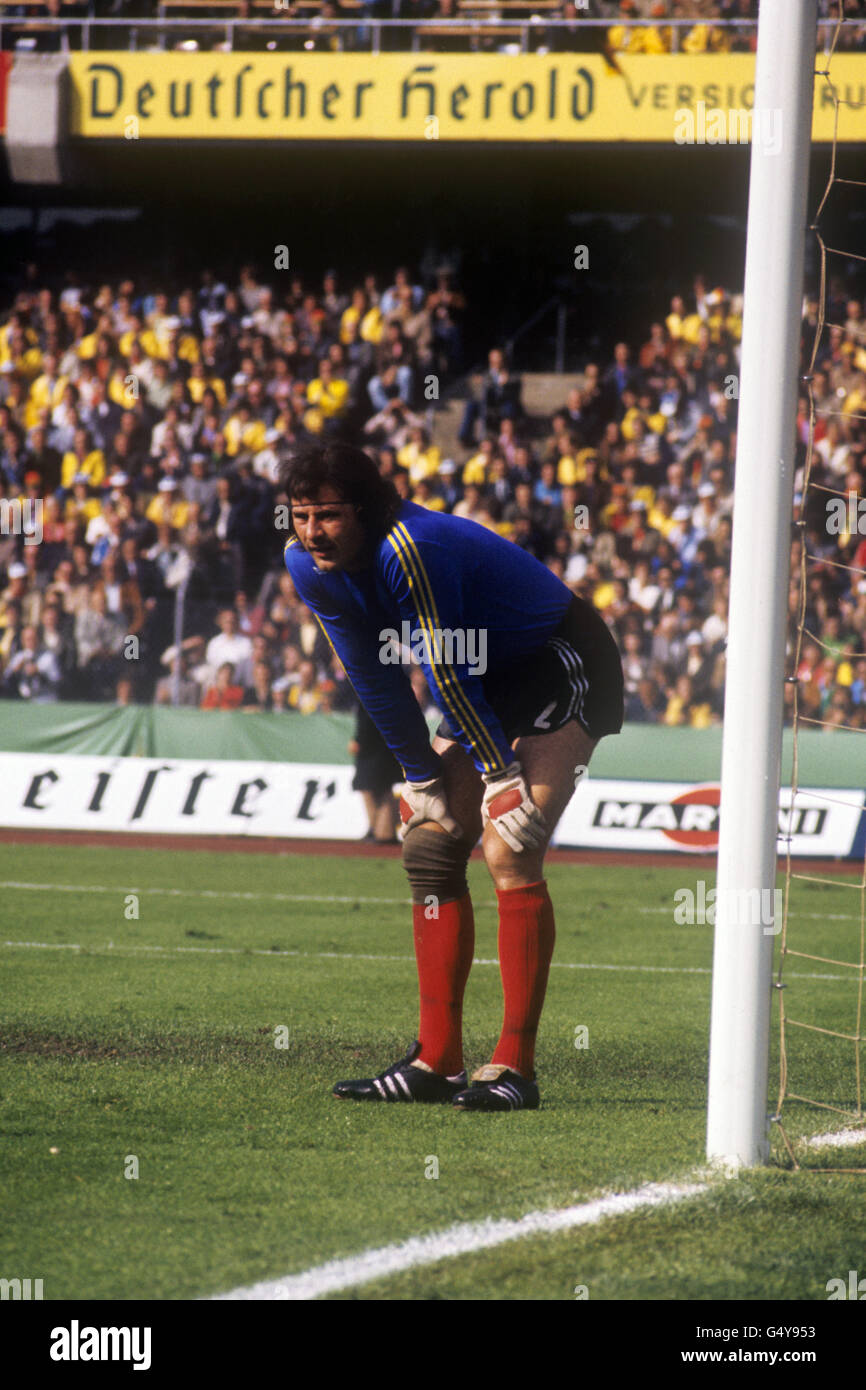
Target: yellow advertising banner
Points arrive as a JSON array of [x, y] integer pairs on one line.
[[429, 96]]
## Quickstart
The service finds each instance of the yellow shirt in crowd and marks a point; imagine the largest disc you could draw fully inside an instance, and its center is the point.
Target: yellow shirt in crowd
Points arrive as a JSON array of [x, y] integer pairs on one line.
[[93, 465]]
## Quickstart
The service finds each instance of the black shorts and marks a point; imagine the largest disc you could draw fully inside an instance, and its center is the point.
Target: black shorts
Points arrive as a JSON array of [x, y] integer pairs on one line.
[[376, 773], [577, 674]]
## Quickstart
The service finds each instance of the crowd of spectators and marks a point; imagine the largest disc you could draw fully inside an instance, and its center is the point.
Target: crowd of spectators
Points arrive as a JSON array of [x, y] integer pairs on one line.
[[146, 428], [627, 26], [149, 421], [629, 499]]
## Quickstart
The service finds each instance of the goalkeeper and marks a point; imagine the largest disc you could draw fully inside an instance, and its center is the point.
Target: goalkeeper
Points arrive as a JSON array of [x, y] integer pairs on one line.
[[528, 679]]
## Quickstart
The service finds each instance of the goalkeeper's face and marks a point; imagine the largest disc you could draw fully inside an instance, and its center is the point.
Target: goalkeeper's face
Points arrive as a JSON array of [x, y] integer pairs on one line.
[[329, 530]]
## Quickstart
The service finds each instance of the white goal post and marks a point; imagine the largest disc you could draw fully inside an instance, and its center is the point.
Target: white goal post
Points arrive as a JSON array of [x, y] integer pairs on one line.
[[737, 1120]]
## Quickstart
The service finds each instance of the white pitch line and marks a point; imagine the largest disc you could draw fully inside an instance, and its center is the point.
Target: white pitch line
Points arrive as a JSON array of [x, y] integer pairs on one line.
[[313, 897], [202, 893], [842, 1139], [800, 916], [110, 948], [465, 1238], [236, 895], [131, 947]]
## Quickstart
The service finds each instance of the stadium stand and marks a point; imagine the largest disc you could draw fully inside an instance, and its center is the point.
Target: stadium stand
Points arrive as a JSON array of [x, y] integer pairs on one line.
[[142, 421], [147, 419], [608, 26]]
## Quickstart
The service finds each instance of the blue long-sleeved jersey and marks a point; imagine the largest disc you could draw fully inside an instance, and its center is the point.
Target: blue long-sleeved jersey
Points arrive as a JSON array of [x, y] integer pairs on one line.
[[490, 603]]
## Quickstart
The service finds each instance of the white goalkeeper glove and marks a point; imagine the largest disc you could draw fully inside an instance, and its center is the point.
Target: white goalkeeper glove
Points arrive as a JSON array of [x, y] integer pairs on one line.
[[511, 811], [420, 801]]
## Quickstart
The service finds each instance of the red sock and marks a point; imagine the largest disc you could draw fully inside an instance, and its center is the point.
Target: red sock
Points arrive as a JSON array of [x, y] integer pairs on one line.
[[444, 947], [526, 937]]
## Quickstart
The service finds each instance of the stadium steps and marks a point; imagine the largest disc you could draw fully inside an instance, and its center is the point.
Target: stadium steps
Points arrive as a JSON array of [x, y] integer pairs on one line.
[[446, 428], [543, 393]]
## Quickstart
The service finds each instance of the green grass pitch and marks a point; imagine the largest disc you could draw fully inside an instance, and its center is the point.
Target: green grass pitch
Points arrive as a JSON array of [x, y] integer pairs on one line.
[[151, 1042]]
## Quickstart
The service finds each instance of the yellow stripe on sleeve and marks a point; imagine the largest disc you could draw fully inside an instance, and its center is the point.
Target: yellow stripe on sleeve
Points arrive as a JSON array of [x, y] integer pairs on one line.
[[449, 686]]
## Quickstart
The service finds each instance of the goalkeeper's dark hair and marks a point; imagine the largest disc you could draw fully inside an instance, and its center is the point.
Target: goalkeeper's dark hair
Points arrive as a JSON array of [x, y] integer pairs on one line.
[[351, 473]]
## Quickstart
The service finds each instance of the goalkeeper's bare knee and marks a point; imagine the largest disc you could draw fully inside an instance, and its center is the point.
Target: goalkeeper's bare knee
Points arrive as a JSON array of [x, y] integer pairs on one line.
[[435, 864]]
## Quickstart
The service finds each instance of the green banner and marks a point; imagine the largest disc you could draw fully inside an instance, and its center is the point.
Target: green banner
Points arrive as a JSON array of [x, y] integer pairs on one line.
[[641, 751]]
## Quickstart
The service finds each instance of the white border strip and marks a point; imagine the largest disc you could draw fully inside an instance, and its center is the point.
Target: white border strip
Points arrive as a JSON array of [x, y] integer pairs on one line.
[[462, 1239]]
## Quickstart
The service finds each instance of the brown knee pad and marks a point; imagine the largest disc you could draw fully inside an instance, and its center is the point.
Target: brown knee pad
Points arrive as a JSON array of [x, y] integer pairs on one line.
[[435, 864]]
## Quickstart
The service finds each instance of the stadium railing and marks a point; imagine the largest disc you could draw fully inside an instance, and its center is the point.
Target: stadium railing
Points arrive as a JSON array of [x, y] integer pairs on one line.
[[473, 22]]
